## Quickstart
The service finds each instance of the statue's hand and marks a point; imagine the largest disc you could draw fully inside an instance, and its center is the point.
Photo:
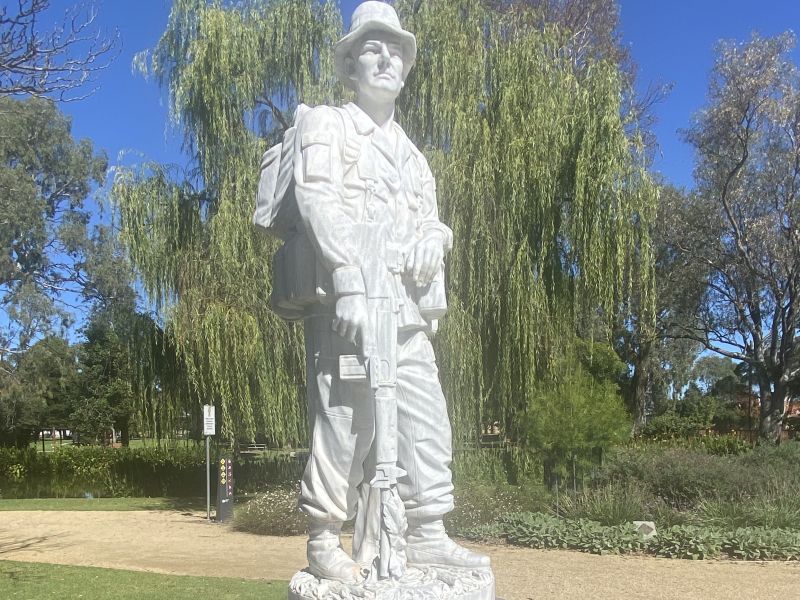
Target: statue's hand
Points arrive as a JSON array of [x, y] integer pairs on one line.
[[352, 319], [425, 259]]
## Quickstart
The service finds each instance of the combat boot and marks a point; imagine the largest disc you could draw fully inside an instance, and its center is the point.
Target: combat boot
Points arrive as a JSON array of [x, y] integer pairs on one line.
[[429, 544], [326, 557]]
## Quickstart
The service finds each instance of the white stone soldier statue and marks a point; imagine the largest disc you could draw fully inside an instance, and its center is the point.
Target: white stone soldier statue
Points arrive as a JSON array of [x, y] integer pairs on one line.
[[364, 271]]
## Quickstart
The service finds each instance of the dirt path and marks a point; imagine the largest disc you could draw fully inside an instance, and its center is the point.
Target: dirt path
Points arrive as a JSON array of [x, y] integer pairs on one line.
[[180, 543]]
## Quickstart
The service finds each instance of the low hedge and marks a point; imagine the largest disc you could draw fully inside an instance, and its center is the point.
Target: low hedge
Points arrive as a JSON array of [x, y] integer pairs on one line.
[[76, 471], [537, 530]]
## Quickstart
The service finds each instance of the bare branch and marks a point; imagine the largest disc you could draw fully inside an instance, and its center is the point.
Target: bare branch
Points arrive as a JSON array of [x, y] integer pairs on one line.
[[58, 64]]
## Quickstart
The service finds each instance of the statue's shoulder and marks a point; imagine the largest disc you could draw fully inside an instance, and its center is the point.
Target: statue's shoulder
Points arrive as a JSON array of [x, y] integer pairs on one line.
[[324, 116]]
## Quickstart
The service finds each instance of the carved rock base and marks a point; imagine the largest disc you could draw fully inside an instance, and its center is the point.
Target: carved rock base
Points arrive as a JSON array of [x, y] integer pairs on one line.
[[418, 583]]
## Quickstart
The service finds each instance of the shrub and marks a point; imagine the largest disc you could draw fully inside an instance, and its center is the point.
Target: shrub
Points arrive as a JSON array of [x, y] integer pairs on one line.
[[680, 476], [613, 504], [758, 543], [273, 512], [479, 504], [573, 416], [256, 473], [542, 531], [686, 541], [671, 425], [721, 445], [74, 471], [776, 506]]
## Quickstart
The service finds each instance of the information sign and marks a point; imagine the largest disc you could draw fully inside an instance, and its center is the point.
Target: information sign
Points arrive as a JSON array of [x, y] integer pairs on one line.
[[209, 420]]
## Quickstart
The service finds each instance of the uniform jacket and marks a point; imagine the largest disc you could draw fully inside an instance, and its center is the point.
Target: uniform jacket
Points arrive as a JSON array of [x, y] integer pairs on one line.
[[364, 202]]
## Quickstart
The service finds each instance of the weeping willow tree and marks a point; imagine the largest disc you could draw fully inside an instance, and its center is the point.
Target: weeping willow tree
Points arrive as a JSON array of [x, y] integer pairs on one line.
[[231, 75], [548, 201], [548, 197]]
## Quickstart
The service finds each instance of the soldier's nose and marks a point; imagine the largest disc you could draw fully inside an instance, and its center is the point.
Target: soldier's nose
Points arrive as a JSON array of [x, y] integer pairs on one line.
[[385, 56]]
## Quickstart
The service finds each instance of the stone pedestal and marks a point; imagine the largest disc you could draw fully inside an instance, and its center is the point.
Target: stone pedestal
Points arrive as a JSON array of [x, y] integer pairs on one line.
[[418, 583]]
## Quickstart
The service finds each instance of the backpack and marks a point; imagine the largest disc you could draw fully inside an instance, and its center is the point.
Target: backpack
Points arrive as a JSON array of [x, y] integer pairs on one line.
[[276, 211], [298, 279]]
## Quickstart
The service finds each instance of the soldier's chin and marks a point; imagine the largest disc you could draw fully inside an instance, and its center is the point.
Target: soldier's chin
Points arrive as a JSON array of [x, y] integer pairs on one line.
[[382, 91]]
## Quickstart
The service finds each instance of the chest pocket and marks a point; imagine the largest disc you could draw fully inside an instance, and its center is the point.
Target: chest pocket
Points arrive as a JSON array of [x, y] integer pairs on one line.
[[413, 186]]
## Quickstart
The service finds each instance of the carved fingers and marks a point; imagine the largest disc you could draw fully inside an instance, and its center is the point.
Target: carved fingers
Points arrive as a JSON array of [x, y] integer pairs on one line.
[[425, 260], [352, 319]]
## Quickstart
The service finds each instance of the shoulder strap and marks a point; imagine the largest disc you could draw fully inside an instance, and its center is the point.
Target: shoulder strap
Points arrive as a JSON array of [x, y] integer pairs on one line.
[[352, 142]]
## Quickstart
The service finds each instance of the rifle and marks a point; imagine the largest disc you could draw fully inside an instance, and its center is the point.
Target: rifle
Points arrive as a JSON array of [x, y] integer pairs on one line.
[[379, 369]]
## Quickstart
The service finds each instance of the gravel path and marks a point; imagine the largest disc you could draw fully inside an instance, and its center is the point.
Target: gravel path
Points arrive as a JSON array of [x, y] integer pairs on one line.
[[183, 543]]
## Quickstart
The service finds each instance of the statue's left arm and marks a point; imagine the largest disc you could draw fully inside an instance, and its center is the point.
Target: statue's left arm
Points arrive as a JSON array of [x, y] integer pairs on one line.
[[425, 259]]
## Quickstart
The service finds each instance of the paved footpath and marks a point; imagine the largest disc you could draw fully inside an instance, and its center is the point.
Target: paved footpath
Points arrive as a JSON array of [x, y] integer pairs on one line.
[[185, 544]]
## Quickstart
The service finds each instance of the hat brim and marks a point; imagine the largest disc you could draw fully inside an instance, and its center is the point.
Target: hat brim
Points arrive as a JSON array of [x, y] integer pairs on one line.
[[343, 48]]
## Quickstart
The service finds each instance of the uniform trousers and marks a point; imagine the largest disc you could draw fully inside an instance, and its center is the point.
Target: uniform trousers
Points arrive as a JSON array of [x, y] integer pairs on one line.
[[342, 423]]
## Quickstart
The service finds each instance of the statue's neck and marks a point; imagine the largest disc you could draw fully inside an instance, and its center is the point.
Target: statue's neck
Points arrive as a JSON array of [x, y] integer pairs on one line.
[[380, 112]]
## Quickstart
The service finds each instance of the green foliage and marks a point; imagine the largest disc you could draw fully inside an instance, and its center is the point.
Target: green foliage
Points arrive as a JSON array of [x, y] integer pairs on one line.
[[178, 471], [508, 464], [671, 425], [45, 176], [757, 543], [35, 390], [680, 476], [479, 504], [776, 506], [683, 476], [91, 420], [199, 257], [99, 471], [272, 512], [255, 474], [103, 396], [721, 445], [614, 504], [534, 174], [543, 531], [574, 416], [686, 541], [600, 360]]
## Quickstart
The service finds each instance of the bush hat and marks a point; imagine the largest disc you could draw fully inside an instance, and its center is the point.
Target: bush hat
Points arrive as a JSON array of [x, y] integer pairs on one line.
[[373, 16]]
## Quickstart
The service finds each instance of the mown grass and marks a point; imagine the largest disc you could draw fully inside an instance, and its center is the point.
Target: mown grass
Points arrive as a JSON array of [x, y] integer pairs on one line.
[[113, 504], [27, 581]]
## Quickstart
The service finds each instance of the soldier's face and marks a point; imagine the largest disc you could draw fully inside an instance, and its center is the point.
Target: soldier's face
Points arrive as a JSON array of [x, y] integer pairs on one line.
[[378, 68]]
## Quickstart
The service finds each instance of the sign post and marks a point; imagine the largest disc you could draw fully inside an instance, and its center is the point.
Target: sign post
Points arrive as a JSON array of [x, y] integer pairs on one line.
[[209, 429], [225, 490]]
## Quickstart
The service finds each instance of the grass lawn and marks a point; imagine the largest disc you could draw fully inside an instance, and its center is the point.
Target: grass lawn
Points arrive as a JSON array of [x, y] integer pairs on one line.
[[182, 504], [34, 581]]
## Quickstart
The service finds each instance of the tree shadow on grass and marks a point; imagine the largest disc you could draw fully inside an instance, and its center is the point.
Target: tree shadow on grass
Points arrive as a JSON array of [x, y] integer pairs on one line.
[[187, 505], [15, 575]]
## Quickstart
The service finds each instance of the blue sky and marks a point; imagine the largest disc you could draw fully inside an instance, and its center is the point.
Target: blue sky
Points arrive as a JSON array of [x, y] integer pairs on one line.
[[671, 41]]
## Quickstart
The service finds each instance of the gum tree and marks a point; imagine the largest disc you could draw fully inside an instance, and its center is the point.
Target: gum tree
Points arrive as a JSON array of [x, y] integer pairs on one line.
[[742, 224]]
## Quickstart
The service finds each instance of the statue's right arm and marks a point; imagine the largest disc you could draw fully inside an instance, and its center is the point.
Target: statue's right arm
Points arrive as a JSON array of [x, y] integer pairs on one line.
[[318, 173]]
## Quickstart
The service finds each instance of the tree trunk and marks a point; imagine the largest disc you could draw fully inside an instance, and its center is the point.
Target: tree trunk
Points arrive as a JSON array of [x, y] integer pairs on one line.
[[773, 410], [638, 390]]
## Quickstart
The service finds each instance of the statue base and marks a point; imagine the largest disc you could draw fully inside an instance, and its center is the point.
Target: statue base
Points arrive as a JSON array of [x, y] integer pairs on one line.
[[418, 583]]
